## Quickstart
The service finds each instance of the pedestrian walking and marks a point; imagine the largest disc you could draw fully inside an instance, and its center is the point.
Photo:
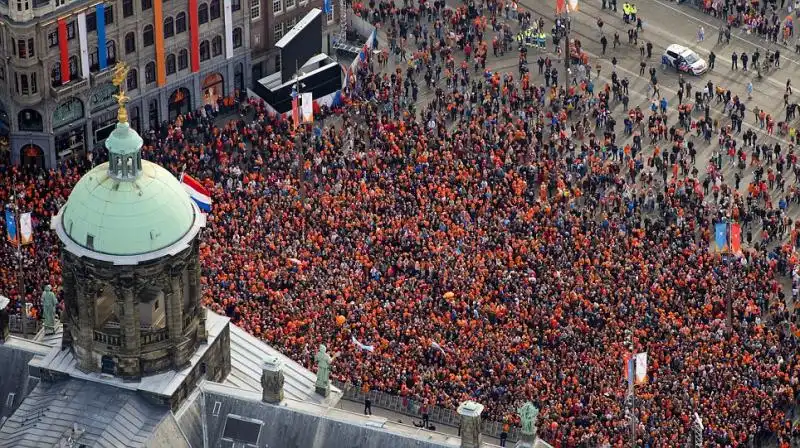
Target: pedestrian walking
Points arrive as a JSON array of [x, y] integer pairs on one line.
[[789, 86], [734, 61], [701, 34], [367, 406], [711, 58]]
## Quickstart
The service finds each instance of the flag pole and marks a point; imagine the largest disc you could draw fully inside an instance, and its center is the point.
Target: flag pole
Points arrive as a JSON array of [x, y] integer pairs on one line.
[[20, 278], [298, 141], [630, 395]]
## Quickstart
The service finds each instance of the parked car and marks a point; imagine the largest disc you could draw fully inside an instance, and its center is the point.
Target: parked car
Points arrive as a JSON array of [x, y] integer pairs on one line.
[[683, 60]]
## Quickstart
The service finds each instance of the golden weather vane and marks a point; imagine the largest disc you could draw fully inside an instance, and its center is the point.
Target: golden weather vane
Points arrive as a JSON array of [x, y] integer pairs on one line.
[[119, 79]]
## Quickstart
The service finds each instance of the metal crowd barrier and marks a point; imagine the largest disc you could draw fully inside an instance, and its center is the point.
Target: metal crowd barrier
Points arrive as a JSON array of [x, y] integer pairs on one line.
[[410, 407]]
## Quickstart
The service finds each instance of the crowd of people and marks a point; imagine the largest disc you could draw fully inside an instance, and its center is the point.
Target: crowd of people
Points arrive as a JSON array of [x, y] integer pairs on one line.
[[504, 243]]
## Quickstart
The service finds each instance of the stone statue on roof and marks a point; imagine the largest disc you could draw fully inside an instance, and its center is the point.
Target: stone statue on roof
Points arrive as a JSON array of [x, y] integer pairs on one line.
[[527, 416], [49, 303], [324, 361]]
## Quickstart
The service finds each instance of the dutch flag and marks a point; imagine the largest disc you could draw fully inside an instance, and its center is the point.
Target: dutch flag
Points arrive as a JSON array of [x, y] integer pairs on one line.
[[197, 192]]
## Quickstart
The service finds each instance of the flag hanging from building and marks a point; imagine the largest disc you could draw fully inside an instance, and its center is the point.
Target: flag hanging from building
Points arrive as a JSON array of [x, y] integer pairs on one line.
[[198, 193], [11, 226], [307, 101], [720, 243], [327, 6], [26, 228], [641, 368], [295, 108], [736, 238]]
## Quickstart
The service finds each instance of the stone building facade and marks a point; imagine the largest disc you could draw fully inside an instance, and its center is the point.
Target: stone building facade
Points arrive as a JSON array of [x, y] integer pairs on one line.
[[57, 58], [137, 320]]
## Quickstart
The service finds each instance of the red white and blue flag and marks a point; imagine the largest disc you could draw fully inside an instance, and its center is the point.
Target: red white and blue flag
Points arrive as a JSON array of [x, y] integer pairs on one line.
[[295, 108], [196, 190]]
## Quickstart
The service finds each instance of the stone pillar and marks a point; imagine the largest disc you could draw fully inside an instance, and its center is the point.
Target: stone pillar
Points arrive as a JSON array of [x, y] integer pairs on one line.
[[174, 305], [195, 296], [470, 413], [69, 293], [86, 296], [272, 380], [130, 326]]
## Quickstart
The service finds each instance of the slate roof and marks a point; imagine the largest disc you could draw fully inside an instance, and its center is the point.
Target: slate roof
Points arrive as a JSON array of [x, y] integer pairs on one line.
[[248, 354], [15, 355], [296, 424], [105, 416]]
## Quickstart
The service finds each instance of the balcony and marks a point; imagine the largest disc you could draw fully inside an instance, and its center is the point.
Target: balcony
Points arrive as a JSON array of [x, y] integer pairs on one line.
[[154, 337], [107, 339], [103, 76], [69, 89]]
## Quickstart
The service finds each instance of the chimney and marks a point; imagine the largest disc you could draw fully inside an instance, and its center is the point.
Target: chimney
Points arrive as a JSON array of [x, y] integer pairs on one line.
[[4, 330], [470, 413], [272, 380]]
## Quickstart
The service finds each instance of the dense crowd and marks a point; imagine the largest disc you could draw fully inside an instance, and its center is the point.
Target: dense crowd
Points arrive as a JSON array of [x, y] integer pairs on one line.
[[502, 243]]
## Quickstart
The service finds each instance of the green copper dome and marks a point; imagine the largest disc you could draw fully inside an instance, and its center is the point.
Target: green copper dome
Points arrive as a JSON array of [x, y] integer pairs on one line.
[[116, 217], [127, 206]]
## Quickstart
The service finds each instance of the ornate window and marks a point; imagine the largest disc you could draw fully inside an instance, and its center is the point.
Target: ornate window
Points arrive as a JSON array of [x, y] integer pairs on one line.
[[216, 46], [130, 43], [205, 53], [202, 14], [237, 37], [183, 59], [180, 23], [147, 35], [150, 73], [169, 27], [171, 66], [133, 80]]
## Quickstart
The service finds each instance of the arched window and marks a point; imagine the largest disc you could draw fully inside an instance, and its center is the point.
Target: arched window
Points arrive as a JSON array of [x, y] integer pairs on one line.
[[183, 59], [216, 46], [205, 54], [180, 23], [73, 67], [169, 27], [214, 9], [237, 37], [55, 75], [111, 52], [202, 14], [150, 73], [147, 35], [130, 43], [133, 80], [171, 69]]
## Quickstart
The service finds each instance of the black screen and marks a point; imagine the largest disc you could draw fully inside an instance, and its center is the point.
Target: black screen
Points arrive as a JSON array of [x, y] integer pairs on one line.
[[307, 42]]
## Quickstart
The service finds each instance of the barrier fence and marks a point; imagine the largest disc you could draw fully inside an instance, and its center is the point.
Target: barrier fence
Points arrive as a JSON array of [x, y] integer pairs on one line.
[[409, 407], [32, 326]]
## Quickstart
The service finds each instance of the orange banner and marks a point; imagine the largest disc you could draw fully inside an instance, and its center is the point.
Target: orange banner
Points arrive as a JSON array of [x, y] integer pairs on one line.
[[736, 238], [158, 31]]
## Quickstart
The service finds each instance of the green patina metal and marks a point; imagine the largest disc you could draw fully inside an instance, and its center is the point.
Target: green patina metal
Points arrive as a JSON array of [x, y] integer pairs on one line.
[[127, 206]]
